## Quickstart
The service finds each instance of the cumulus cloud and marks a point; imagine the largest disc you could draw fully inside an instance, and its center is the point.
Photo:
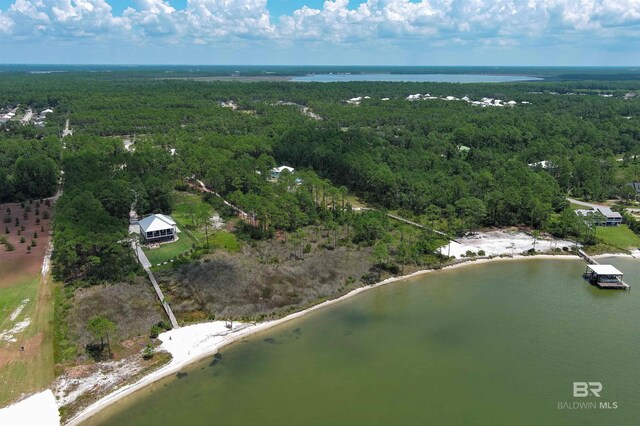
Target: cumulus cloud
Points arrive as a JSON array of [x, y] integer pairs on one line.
[[221, 18], [502, 22], [153, 18], [6, 24], [64, 18]]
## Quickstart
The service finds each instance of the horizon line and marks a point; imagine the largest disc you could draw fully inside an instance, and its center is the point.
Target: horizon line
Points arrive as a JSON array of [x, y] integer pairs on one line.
[[314, 65]]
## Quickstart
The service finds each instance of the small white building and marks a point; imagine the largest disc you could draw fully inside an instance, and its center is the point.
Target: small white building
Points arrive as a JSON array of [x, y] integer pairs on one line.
[[277, 171], [157, 228], [544, 164]]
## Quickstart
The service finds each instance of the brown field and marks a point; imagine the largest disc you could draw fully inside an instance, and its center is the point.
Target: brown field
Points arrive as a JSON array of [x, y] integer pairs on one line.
[[266, 281], [134, 308], [18, 263], [26, 354]]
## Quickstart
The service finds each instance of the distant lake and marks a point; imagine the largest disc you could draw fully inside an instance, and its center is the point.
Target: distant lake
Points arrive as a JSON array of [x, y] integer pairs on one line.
[[418, 78], [493, 344]]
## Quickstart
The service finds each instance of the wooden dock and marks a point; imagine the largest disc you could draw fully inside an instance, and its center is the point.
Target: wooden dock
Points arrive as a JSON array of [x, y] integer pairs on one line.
[[606, 277], [590, 260]]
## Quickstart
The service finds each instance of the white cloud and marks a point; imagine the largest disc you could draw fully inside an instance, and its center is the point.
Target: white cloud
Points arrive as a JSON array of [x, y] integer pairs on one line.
[[438, 22], [64, 18], [153, 18], [201, 21], [6, 24], [210, 19]]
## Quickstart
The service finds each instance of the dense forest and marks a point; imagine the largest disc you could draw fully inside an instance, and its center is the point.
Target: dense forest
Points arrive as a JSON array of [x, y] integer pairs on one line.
[[446, 163], [29, 167]]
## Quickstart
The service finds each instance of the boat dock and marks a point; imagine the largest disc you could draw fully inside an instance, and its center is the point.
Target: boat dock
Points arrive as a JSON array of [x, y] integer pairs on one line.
[[605, 277]]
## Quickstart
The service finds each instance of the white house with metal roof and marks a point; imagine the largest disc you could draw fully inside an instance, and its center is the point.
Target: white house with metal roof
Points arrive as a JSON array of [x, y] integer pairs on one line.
[[277, 171], [156, 228], [603, 215]]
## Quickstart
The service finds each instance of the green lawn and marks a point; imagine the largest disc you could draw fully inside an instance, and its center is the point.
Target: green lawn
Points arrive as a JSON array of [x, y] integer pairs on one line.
[[169, 251], [224, 240], [184, 205], [618, 236], [578, 207]]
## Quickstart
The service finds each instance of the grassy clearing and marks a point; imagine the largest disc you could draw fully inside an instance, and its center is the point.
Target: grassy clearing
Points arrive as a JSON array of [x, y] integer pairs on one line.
[[601, 248], [11, 298], [355, 201], [618, 236], [185, 204], [169, 251], [226, 241], [29, 370]]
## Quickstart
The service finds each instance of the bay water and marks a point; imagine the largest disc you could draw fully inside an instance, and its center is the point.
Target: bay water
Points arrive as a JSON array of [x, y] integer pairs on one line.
[[499, 343]]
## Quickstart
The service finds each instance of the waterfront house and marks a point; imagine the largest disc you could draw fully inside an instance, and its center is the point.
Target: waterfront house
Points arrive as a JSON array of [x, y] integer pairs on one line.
[[602, 216], [157, 228]]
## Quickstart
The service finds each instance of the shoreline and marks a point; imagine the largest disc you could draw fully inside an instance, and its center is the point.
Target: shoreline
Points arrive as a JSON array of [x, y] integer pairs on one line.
[[177, 347], [195, 342]]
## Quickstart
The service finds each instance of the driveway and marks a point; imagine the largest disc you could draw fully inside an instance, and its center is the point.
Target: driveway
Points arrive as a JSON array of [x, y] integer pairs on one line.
[[585, 204]]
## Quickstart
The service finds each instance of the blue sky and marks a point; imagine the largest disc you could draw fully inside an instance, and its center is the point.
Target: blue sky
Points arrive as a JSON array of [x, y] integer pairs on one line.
[[276, 7], [307, 32]]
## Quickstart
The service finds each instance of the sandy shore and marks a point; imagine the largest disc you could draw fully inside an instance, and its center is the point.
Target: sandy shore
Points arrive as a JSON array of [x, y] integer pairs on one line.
[[37, 410], [195, 342], [497, 242]]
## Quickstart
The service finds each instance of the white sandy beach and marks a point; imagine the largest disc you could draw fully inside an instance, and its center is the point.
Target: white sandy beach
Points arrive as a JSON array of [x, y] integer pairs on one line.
[[192, 343], [495, 243], [37, 410]]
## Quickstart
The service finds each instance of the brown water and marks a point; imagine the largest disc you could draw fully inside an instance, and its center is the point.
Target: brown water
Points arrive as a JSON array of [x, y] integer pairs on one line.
[[491, 344]]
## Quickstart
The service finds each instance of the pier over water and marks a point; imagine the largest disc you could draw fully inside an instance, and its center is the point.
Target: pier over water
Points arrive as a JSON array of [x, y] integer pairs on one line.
[[606, 277]]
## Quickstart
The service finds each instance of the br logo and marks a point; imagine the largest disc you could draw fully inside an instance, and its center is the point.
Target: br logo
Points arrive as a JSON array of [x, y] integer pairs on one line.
[[583, 389]]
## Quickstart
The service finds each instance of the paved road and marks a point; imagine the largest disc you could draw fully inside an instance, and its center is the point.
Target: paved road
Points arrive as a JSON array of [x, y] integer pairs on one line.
[[585, 204]]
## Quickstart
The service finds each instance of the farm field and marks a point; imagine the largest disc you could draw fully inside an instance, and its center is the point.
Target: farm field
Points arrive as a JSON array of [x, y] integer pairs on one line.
[[26, 308]]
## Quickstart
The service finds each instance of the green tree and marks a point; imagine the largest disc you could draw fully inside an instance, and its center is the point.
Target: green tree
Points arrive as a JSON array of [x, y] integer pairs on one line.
[[36, 176], [380, 254], [100, 328], [202, 217]]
